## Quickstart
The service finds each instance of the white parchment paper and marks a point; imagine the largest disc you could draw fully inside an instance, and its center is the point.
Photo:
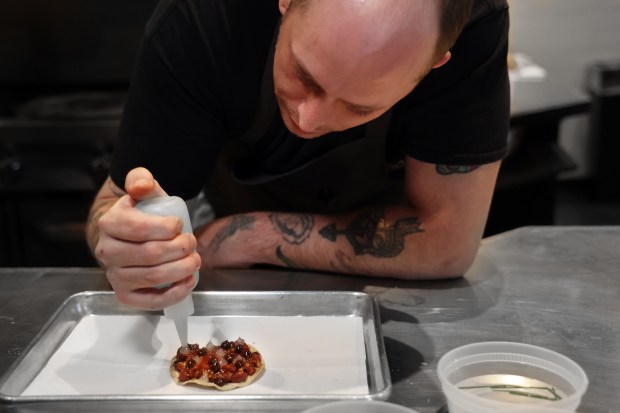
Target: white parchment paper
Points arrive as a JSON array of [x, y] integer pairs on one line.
[[125, 355]]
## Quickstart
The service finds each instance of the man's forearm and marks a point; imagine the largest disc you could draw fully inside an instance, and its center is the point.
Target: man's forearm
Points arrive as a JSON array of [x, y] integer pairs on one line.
[[364, 243], [390, 241]]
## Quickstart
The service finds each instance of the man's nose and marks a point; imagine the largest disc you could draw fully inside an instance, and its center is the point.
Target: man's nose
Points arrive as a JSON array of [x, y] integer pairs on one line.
[[313, 114]]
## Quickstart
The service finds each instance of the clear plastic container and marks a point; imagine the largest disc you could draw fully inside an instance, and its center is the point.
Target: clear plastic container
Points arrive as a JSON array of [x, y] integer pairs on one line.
[[359, 406], [495, 376]]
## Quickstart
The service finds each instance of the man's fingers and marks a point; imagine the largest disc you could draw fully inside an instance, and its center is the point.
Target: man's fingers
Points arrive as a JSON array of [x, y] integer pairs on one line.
[[141, 277], [140, 185], [151, 253], [143, 251], [156, 299], [126, 223]]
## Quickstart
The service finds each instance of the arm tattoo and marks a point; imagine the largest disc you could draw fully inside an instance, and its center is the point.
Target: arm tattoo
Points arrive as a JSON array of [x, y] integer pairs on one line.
[[286, 260], [370, 234], [237, 223], [455, 169], [295, 228]]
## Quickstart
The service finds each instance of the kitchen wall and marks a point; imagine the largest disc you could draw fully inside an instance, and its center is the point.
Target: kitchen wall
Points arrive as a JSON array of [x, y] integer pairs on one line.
[[565, 37]]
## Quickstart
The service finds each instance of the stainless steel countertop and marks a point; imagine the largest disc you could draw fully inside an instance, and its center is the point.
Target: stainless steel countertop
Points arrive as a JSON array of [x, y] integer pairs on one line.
[[556, 287]]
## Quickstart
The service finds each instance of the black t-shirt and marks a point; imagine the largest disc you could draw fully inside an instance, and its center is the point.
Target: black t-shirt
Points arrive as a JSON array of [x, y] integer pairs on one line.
[[197, 83]]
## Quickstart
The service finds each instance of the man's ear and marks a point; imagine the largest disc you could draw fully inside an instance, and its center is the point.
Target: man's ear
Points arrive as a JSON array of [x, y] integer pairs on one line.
[[443, 60], [283, 6]]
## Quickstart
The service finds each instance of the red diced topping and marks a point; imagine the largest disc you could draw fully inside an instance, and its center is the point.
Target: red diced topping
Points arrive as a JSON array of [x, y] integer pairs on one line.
[[232, 361], [183, 376], [239, 377]]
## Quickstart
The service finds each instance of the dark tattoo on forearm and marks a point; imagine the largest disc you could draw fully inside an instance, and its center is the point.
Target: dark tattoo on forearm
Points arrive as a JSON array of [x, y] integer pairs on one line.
[[455, 169], [370, 234], [295, 228], [237, 223], [286, 260]]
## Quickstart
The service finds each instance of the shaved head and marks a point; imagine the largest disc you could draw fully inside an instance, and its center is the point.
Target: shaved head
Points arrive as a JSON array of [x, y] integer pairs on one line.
[[341, 63], [451, 14], [380, 29]]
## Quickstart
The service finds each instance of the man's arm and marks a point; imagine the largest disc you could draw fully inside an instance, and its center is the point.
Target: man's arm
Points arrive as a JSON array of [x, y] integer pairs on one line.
[[436, 236]]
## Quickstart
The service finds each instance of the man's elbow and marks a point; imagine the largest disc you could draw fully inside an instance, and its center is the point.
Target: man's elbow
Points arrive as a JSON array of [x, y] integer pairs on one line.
[[448, 265], [455, 268], [456, 262]]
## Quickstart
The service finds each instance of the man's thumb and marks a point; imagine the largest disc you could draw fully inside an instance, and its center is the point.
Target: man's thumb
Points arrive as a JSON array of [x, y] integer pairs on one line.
[[140, 185]]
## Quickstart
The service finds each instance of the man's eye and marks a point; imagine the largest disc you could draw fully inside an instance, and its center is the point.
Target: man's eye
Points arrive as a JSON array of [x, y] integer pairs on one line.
[[299, 73], [302, 77]]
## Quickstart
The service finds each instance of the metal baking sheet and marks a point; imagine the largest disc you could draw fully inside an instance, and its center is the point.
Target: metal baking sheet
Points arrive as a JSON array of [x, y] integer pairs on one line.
[[92, 332]]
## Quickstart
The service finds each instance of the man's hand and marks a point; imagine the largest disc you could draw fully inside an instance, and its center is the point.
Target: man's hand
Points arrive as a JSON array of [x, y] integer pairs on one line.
[[141, 251]]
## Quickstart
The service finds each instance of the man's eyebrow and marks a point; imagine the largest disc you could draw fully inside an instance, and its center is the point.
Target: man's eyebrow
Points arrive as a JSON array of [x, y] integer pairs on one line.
[[307, 78], [304, 75]]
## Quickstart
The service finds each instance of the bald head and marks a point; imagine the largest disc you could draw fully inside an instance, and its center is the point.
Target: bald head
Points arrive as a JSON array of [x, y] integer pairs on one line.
[[370, 36], [342, 63], [451, 16]]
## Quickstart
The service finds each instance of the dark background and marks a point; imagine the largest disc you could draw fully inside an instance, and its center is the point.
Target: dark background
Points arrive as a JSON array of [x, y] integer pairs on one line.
[[65, 66]]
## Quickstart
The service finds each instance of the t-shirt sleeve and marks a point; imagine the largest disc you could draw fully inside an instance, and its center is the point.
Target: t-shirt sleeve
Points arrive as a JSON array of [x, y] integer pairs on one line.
[[171, 123], [459, 114]]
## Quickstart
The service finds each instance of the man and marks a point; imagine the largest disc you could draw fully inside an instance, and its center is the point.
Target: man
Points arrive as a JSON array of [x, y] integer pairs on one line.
[[377, 156]]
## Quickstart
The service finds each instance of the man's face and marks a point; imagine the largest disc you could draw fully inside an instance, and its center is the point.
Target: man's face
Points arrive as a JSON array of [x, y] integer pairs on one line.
[[333, 71]]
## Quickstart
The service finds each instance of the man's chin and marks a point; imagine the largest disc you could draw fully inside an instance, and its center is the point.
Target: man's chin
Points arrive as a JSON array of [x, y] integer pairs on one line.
[[308, 135]]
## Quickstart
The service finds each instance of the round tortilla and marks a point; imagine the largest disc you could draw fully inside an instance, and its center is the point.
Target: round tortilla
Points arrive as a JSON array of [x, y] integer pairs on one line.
[[204, 381]]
